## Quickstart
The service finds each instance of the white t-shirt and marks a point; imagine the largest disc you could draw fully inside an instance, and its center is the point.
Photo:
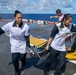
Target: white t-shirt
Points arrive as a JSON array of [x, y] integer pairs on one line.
[[17, 36], [58, 42]]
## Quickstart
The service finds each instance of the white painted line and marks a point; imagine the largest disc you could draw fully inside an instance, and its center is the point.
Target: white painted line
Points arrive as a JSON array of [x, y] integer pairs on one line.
[[43, 39], [74, 74], [72, 61], [31, 44]]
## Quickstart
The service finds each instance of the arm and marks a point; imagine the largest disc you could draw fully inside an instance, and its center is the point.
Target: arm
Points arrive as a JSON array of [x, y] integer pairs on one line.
[[27, 38], [5, 28], [69, 36], [1, 31], [53, 33], [48, 44]]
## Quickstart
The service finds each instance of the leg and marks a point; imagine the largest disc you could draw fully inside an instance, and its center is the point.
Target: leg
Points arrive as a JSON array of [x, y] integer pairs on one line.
[[54, 63], [15, 61], [23, 60], [61, 64], [49, 60]]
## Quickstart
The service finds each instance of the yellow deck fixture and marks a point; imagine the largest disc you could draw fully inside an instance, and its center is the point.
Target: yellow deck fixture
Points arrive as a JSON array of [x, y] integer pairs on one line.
[[71, 55], [37, 41]]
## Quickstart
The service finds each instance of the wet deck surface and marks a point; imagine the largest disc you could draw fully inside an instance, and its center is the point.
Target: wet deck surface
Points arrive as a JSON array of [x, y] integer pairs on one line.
[[31, 63]]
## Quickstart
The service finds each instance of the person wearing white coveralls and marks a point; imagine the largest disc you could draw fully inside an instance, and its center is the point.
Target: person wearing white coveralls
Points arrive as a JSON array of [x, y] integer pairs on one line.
[[19, 38]]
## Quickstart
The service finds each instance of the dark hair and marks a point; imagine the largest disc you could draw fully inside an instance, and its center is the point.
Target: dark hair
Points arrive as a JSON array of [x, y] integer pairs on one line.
[[17, 12], [58, 11], [67, 16]]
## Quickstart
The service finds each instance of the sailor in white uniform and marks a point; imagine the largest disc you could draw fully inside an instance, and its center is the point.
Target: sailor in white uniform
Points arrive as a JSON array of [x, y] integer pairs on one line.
[[19, 38], [60, 34]]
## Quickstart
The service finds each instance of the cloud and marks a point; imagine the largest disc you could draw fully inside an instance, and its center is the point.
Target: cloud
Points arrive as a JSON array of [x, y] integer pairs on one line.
[[67, 3], [29, 6], [3, 1], [48, 3]]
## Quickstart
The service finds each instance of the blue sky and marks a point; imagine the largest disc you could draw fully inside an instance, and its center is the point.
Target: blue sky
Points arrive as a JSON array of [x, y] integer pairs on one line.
[[38, 6]]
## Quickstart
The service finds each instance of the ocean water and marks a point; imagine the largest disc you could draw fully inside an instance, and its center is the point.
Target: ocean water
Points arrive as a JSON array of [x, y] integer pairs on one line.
[[45, 17]]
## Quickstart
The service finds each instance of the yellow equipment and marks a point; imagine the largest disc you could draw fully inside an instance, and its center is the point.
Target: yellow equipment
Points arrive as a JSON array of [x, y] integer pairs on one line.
[[40, 45]]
